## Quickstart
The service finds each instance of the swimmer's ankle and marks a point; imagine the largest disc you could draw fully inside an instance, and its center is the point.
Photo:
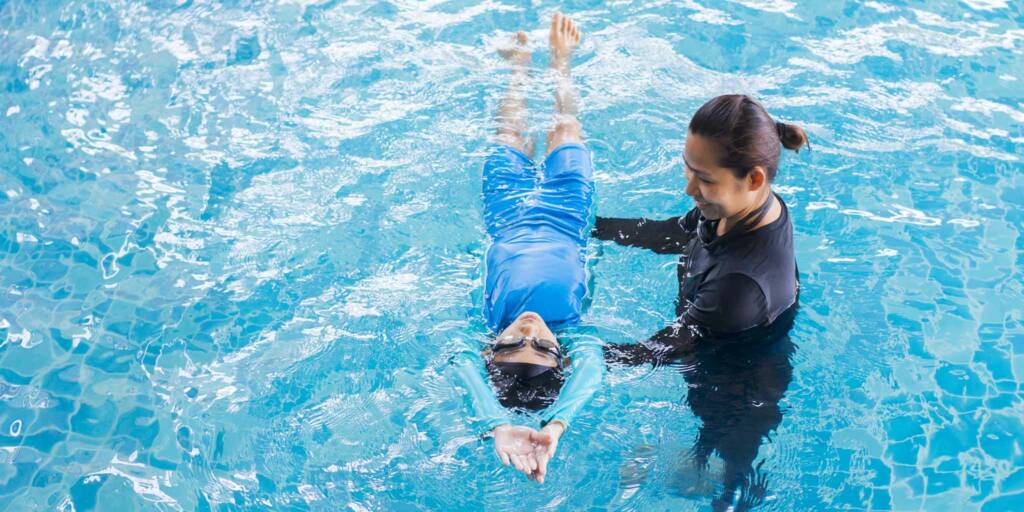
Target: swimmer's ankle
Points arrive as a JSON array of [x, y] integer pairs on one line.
[[518, 54], [561, 64]]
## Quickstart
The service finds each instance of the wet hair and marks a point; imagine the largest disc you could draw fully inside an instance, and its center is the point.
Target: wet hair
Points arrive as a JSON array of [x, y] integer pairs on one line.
[[525, 385], [746, 134]]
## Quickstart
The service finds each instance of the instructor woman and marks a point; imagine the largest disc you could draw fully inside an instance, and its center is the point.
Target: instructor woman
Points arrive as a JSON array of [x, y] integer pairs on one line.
[[737, 270], [738, 288]]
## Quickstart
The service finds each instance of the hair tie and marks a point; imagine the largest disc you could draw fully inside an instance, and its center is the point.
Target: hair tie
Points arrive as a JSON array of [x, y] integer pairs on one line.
[[780, 128]]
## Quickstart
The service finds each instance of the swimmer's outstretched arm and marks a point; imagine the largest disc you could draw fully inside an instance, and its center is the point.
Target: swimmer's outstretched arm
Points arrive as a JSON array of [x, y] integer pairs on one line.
[[661, 236], [514, 445], [588, 370]]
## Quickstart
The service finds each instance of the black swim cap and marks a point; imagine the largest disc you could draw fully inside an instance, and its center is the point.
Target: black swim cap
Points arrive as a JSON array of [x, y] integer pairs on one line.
[[525, 385]]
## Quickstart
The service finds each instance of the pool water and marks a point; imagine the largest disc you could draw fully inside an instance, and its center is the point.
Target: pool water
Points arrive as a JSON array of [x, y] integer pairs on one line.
[[239, 239]]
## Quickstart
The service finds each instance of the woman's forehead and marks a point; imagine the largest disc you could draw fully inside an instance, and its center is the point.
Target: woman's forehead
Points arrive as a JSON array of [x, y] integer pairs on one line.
[[702, 154], [700, 150]]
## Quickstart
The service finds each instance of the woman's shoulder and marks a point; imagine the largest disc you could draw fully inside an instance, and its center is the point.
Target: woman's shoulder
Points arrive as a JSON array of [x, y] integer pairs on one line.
[[776, 234]]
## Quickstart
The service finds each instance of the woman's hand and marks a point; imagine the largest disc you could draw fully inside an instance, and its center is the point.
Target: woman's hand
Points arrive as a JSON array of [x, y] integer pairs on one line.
[[514, 445], [527, 449], [545, 443]]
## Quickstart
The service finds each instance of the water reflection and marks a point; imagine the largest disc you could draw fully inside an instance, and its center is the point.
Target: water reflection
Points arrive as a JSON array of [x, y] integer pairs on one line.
[[734, 387]]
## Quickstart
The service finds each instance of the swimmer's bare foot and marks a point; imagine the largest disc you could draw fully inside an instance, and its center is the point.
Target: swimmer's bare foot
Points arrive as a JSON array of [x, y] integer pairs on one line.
[[564, 38], [518, 55]]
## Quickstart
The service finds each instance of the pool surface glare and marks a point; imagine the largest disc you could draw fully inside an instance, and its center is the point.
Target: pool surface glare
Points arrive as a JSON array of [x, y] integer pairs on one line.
[[239, 238]]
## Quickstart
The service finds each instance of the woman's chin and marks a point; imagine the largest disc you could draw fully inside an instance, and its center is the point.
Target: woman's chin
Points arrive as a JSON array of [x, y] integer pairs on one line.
[[709, 213]]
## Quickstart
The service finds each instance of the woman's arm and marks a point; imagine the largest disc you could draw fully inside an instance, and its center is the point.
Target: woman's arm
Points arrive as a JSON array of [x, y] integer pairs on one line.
[[661, 236], [587, 375], [514, 445], [586, 378], [728, 305], [666, 345], [723, 308], [485, 411]]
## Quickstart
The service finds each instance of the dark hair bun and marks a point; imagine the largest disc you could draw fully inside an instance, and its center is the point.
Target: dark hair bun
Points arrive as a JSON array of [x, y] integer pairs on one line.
[[747, 136], [792, 136]]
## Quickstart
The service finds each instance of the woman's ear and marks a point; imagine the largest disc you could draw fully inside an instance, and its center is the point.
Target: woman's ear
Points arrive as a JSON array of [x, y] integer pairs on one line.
[[756, 178]]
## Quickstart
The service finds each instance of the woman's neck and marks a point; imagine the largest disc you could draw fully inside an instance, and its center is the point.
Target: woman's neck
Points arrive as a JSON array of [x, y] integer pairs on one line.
[[730, 222]]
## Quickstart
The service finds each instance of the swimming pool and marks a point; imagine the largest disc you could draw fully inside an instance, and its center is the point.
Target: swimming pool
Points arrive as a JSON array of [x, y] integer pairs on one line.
[[239, 236]]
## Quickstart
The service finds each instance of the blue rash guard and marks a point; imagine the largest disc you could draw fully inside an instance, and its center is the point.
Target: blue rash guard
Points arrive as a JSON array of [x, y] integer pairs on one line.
[[539, 230]]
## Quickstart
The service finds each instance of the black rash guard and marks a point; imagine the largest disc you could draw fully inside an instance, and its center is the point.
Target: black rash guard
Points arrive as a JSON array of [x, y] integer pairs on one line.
[[729, 284], [737, 301]]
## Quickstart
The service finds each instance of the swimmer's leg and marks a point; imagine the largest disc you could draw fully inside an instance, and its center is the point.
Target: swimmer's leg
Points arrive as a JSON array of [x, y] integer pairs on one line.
[[567, 191], [512, 109], [509, 174], [564, 38]]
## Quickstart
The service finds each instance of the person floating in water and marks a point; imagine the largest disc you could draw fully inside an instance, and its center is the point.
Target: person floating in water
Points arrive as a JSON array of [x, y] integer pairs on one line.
[[535, 280], [738, 282]]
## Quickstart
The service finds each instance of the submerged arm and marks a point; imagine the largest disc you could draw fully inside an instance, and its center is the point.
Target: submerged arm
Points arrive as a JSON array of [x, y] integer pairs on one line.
[[663, 347], [723, 309]]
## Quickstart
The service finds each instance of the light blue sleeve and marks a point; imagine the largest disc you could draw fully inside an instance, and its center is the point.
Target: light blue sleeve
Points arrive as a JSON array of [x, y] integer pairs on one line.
[[485, 411], [587, 374]]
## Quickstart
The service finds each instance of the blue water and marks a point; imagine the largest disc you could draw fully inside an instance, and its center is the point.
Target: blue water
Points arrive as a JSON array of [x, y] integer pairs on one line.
[[239, 237]]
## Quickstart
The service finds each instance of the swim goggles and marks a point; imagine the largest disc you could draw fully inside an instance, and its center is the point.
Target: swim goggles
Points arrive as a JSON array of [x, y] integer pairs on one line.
[[542, 345]]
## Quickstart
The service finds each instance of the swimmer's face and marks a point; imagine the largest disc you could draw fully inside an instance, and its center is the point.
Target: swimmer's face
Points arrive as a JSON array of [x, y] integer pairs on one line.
[[716, 189], [527, 324]]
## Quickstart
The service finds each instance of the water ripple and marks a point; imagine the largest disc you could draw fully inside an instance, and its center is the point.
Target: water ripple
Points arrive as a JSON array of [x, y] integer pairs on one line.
[[240, 235]]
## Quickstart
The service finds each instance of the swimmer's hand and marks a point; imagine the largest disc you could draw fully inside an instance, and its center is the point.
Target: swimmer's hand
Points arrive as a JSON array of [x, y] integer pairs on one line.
[[545, 443], [514, 446]]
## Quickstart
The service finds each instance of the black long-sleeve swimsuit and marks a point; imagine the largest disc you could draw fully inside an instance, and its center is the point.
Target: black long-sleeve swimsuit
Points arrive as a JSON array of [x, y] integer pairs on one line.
[[728, 284]]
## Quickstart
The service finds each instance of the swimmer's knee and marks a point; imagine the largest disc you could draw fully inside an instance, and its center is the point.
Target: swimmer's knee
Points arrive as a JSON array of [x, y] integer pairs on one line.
[[568, 124], [512, 139], [565, 131]]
